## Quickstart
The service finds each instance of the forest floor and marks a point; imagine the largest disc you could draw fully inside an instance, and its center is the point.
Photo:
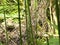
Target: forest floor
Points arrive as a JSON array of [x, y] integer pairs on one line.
[[13, 34]]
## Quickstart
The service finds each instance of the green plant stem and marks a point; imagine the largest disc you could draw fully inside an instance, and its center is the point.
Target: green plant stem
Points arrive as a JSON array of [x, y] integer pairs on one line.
[[6, 29], [29, 24], [36, 18], [26, 20], [19, 22], [58, 18]]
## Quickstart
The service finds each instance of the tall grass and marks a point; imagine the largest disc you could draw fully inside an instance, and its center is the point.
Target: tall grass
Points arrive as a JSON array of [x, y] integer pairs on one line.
[[19, 19]]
